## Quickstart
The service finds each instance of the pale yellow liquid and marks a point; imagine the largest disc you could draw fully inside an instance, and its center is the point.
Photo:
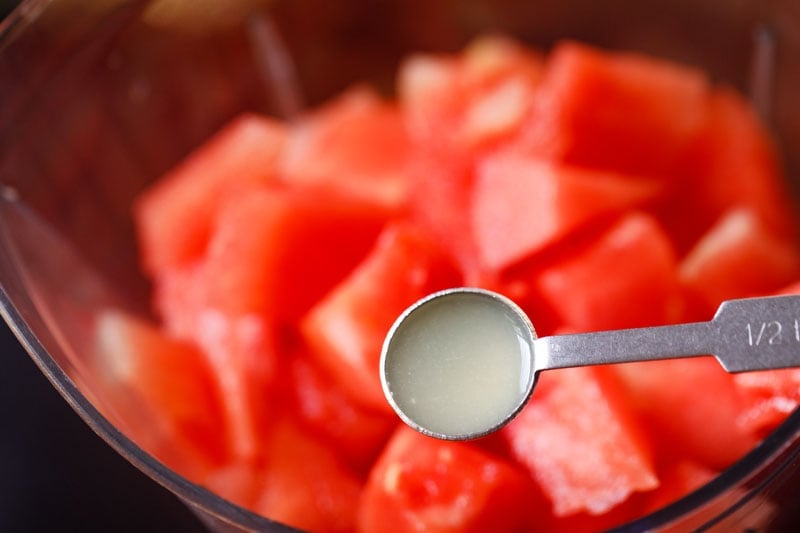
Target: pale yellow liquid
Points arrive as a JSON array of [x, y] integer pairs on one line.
[[460, 366]]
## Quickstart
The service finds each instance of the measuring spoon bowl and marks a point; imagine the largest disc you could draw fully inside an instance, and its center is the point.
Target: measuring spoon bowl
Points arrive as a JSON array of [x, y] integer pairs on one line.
[[458, 364]]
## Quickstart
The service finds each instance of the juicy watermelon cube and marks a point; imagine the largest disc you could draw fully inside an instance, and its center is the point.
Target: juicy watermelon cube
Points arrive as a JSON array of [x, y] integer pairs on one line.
[[521, 204], [691, 407], [346, 329], [738, 257], [299, 481], [622, 112], [732, 164], [581, 443], [356, 432], [356, 144], [276, 251], [175, 216], [424, 484], [456, 108], [161, 391], [272, 254], [472, 100], [625, 277]]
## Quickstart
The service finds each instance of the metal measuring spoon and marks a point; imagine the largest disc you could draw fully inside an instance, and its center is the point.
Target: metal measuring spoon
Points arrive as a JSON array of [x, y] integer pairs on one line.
[[461, 363]]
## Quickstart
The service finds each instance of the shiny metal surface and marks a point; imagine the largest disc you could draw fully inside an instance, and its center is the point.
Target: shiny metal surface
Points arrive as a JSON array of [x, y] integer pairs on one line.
[[744, 335]]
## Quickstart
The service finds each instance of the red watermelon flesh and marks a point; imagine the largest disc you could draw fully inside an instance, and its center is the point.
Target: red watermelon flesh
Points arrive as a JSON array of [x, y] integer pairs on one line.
[[622, 112], [357, 131], [175, 216], [522, 204]]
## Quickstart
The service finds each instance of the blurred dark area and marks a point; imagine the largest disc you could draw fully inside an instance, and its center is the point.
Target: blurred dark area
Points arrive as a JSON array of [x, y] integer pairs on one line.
[[6, 6]]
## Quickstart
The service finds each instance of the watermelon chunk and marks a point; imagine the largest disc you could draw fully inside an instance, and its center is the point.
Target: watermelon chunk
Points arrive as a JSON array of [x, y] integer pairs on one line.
[[300, 482], [580, 442], [631, 262], [457, 108], [422, 484], [731, 165], [622, 112], [272, 254], [275, 252], [691, 406], [470, 101], [738, 257], [521, 204], [357, 433], [355, 144], [175, 215], [305, 484], [346, 329], [161, 391]]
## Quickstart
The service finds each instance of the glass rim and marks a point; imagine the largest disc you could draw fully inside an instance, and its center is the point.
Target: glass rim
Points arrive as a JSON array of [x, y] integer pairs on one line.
[[775, 451]]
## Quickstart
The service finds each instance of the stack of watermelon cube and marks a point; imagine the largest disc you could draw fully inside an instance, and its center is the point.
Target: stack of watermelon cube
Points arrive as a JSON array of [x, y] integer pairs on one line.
[[597, 189]]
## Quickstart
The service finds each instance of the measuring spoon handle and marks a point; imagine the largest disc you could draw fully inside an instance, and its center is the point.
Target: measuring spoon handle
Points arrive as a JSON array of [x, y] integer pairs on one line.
[[745, 334]]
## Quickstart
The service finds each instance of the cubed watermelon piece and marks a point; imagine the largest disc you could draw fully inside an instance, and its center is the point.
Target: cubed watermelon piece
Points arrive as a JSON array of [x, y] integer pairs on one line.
[[161, 392], [738, 257], [743, 167], [441, 196], [500, 76], [470, 100], [305, 484], [732, 164], [299, 481], [355, 144], [581, 442], [521, 204], [623, 112], [275, 252], [624, 277], [424, 484], [691, 407], [175, 216], [346, 329], [455, 109], [245, 354], [242, 348], [430, 98], [357, 433], [769, 396]]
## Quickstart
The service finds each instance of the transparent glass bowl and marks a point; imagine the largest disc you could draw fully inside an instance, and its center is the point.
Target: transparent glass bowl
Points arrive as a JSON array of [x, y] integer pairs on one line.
[[97, 99]]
